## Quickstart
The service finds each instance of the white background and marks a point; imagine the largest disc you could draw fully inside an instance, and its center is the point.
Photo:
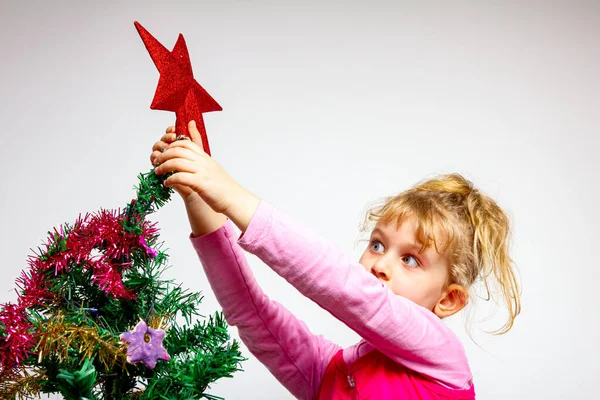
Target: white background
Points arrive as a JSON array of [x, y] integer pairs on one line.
[[327, 108]]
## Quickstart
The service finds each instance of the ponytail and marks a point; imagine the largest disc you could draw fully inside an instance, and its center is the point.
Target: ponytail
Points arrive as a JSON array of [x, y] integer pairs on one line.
[[490, 249]]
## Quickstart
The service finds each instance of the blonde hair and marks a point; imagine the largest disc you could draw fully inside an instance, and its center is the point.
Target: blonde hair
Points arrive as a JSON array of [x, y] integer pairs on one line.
[[477, 233]]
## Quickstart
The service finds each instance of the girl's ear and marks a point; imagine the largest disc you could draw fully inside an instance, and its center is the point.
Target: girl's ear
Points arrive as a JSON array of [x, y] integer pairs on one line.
[[452, 301]]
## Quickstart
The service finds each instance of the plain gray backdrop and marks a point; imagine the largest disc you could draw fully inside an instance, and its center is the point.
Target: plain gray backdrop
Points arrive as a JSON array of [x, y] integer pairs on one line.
[[329, 106]]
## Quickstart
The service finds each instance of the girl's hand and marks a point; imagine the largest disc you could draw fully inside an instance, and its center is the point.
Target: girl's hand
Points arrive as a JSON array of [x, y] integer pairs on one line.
[[196, 171], [186, 193]]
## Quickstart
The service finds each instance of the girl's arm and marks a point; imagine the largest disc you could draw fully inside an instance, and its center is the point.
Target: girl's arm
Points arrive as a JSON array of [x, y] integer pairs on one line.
[[406, 332], [280, 341]]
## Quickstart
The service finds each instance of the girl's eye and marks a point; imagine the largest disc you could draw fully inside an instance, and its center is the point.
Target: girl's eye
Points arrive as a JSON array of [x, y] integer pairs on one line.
[[409, 260], [415, 261], [373, 242]]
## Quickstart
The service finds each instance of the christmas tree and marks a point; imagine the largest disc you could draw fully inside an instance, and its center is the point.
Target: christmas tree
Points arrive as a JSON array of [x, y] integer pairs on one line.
[[93, 318], [85, 289]]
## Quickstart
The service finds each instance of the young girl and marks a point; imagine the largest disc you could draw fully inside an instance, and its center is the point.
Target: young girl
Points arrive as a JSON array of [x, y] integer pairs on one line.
[[429, 245]]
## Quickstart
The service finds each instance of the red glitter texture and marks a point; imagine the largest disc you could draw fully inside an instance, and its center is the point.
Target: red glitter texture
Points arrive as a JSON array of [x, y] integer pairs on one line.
[[177, 89]]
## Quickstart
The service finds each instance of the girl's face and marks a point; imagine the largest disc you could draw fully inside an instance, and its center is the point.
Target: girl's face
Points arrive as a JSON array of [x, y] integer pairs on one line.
[[393, 257]]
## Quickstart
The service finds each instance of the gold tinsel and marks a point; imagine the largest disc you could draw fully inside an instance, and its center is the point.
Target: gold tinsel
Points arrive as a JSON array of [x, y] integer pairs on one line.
[[156, 321], [57, 337], [22, 384]]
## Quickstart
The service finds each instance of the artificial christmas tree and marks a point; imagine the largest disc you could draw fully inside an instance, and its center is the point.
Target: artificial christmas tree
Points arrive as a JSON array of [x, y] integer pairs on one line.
[[93, 318]]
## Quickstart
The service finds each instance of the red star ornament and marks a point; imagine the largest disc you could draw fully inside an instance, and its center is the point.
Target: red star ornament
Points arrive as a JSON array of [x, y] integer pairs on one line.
[[177, 89]]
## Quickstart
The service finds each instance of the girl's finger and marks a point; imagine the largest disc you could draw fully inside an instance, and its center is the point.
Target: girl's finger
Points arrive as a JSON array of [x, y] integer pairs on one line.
[[169, 137], [176, 164], [188, 144], [159, 146], [195, 134], [181, 179], [170, 129], [178, 152], [154, 157]]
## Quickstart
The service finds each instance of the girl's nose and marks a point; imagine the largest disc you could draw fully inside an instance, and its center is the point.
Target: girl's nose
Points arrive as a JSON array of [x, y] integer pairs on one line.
[[381, 271]]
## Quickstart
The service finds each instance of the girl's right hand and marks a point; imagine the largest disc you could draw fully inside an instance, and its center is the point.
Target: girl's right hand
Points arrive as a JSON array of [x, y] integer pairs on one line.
[[169, 137]]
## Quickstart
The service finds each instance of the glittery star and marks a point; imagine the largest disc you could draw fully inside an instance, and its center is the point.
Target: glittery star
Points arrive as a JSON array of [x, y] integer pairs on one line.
[[145, 345], [177, 89]]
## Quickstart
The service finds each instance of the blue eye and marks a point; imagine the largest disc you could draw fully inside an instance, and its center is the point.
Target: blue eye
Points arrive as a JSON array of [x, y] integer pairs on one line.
[[374, 242], [416, 262]]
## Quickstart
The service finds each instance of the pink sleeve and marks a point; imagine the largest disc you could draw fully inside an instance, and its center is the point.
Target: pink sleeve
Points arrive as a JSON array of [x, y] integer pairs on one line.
[[279, 340], [409, 334]]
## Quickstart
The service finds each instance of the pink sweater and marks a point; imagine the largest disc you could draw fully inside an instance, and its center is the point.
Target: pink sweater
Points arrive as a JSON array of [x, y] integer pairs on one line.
[[393, 326]]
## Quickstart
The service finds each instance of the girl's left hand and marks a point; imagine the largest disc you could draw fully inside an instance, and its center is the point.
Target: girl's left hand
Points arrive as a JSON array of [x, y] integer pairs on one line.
[[198, 171]]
